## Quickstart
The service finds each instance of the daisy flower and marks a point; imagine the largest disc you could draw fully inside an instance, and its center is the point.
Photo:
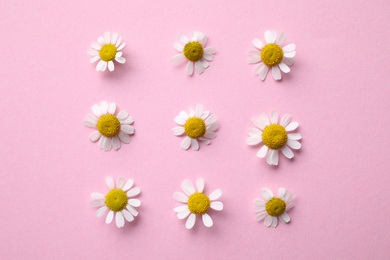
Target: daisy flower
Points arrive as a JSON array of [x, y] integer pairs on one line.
[[272, 55], [117, 200], [106, 50], [110, 128], [194, 51], [197, 203], [197, 125], [274, 136], [274, 207]]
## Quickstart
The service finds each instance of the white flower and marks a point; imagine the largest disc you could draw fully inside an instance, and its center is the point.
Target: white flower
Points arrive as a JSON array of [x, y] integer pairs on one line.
[[272, 55], [110, 128], [197, 203], [106, 50], [194, 51], [274, 136], [197, 125], [117, 200], [274, 207]]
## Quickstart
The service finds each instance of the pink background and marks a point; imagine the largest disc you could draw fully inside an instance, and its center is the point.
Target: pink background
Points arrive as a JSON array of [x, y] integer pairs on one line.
[[338, 90]]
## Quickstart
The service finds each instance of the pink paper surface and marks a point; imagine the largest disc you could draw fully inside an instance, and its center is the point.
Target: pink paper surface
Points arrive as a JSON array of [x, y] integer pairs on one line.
[[338, 90]]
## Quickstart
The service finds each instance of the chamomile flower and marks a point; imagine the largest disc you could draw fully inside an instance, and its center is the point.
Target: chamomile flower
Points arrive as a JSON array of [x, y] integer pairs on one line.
[[197, 203], [194, 51], [106, 50], [274, 207], [272, 55], [197, 126], [274, 136], [110, 128], [118, 201]]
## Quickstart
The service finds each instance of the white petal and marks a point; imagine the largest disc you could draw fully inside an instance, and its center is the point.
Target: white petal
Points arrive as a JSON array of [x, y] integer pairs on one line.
[[286, 120], [121, 46], [122, 115], [259, 209], [259, 122], [258, 43], [111, 66], [290, 198], [106, 143], [195, 144], [133, 192], [289, 54], [274, 222], [95, 136], [118, 54], [254, 59], [216, 205], [270, 36], [178, 46], [259, 202], [101, 41], [283, 67], [292, 126], [103, 65], [184, 39], [288, 61], [198, 110], [179, 130], [212, 127], [294, 136], [203, 40], [184, 115], [120, 183], [254, 140], [211, 120], [111, 108], [262, 152], [107, 37], [132, 210], [205, 63], [128, 185], [263, 72], [93, 52], [208, 57], [110, 182], [124, 137], [274, 117], [120, 60], [119, 220], [200, 184], [210, 135], [127, 215], [268, 221], [185, 144], [180, 208], [135, 202], [204, 141], [289, 48], [294, 144], [287, 152], [96, 203], [179, 120], [261, 216], [281, 192], [194, 36], [101, 211], [282, 36], [95, 58], [276, 73], [104, 107], [97, 195], [183, 214], [199, 67], [127, 129], [177, 58], [215, 194], [285, 217], [180, 197], [190, 221], [259, 67], [188, 187], [110, 217], [190, 68], [96, 46], [267, 193], [274, 157], [97, 110], [290, 206], [118, 42], [207, 221], [209, 50], [114, 37], [127, 121]]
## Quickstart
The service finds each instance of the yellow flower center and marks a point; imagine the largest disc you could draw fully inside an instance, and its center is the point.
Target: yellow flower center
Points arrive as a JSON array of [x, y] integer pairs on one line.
[[193, 51], [274, 136], [271, 54], [108, 125], [198, 203], [116, 200], [108, 52], [195, 127], [275, 207]]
